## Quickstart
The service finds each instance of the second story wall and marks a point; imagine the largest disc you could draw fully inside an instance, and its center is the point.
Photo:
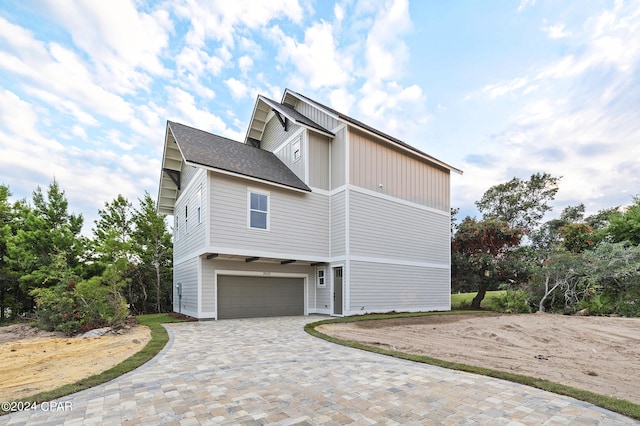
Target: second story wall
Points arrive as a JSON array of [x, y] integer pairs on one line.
[[298, 222], [190, 215], [386, 170]]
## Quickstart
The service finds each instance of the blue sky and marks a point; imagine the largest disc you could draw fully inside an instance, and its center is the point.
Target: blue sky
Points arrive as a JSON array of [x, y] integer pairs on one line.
[[498, 88]]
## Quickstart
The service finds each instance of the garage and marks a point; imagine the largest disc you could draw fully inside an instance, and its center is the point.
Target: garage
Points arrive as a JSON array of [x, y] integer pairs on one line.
[[251, 297]]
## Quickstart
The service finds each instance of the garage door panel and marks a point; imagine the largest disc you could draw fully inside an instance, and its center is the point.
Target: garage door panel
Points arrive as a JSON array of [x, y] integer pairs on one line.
[[250, 297]]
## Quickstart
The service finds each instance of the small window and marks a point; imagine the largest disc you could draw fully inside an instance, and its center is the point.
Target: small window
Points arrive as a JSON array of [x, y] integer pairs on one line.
[[258, 210], [176, 230], [199, 206], [186, 219], [295, 150], [322, 278]]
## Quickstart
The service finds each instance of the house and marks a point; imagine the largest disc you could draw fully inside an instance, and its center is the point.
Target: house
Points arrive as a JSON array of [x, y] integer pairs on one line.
[[315, 212]]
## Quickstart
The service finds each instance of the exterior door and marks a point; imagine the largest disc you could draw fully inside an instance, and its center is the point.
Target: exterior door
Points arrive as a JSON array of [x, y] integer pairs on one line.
[[337, 291]]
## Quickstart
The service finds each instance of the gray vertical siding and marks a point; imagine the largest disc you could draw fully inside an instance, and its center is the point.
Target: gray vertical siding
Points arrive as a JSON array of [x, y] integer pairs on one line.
[[298, 221], [194, 238], [274, 134], [317, 116], [338, 159], [386, 229], [318, 160], [186, 273], [338, 231], [380, 287], [401, 175]]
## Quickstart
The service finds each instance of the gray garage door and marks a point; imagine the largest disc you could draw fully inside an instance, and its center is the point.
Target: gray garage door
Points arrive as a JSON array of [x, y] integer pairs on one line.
[[250, 297]]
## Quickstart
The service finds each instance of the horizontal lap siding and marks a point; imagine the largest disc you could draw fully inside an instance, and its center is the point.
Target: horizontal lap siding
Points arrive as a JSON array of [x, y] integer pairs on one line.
[[186, 273], [274, 134], [323, 294], [285, 154], [187, 173], [383, 228], [298, 221], [194, 237], [338, 243], [386, 287]]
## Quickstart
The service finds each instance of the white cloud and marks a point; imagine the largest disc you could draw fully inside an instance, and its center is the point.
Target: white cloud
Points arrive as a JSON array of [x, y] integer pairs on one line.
[[317, 58], [386, 53], [397, 110], [525, 3], [237, 88], [220, 19], [245, 63], [189, 114], [555, 31], [121, 41], [499, 89]]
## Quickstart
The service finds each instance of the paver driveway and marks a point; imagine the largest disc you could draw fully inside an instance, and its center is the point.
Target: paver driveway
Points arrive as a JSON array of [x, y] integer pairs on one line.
[[269, 371]]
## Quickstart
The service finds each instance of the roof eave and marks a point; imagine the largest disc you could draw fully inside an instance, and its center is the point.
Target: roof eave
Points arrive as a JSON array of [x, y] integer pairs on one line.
[[167, 188], [252, 178]]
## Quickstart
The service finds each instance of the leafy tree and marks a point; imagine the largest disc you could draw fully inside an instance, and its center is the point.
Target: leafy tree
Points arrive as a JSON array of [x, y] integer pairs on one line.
[[577, 237], [560, 283], [520, 203], [549, 237], [113, 231], [485, 246], [154, 249], [46, 231], [8, 278], [626, 226]]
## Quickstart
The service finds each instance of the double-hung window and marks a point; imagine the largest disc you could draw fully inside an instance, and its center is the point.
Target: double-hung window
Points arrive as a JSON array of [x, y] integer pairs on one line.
[[258, 210], [322, 277]]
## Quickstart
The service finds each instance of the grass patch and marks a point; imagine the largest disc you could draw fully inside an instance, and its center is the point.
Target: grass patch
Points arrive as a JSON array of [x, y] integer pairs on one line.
[[159, 338], [463, 300], [620, 406]]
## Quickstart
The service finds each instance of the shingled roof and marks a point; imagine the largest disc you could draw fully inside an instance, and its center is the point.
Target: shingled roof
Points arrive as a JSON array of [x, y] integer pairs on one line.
[[217, 152], [200, 148]]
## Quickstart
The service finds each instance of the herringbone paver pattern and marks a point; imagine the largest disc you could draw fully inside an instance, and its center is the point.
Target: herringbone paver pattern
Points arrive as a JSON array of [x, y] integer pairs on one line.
[[269, 372]]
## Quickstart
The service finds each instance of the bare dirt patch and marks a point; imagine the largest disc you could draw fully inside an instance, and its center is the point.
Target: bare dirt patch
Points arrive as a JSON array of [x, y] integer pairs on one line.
[[599, 354], [34, 361]]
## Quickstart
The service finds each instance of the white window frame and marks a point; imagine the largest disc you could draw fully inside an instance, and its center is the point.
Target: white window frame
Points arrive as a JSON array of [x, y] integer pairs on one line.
[[249, 210], [321, 280], [199, 205], [296, 149]]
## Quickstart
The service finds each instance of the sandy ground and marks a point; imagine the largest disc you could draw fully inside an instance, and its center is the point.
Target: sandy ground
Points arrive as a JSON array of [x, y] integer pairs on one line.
[[599, 354], [33, 361]]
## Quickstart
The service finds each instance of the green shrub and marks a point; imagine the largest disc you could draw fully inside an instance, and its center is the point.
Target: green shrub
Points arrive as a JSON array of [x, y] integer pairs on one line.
[[90, 304], [512, 302], [58, 309]]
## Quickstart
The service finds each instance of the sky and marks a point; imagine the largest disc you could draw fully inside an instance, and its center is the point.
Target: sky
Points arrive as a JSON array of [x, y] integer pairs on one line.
[[499, 89]]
